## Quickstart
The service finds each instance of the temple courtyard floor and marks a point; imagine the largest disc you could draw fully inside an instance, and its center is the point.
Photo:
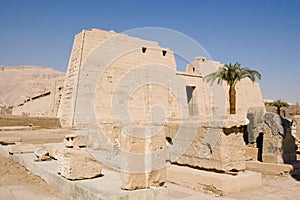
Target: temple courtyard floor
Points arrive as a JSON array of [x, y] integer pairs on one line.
[[17, 182]]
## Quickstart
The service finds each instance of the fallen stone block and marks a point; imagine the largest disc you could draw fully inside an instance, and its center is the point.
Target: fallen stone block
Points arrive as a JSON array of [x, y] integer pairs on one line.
[[78, 165], [9, 140], [41, 154], [73, 141], [55, 152], [23, 148]]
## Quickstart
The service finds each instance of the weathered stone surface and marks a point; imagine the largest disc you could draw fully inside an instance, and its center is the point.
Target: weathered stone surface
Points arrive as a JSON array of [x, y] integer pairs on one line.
[[234, 121], [143, 163], [40, 151], [73, 141], [228, 153], [23, 148], [274, 121], [41, 154], [255, 116], [9, 140], [210, 182], [111, 78], [78, 165], [55, 152], [278, 142], [269, 168], [251, 153], [296, 129]]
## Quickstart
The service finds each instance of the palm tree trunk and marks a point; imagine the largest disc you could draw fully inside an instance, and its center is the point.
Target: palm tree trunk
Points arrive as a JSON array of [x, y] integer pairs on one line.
[[232, 99], [278, 111]]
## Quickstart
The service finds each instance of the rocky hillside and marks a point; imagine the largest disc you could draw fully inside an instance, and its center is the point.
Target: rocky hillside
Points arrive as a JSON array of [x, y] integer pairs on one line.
[[20, 83]]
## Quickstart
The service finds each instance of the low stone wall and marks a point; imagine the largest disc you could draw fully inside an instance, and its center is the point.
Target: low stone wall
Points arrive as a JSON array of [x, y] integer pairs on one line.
[[39, 107], [42, 122]]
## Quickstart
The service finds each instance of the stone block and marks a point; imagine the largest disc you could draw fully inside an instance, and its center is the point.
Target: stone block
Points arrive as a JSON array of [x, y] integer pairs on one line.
[[274, 121], [227, 154], [211, 182], [73, 141], [255, 116], [78, 165], [56, 152], [269, 168], [251, 153], [41, 154], [23, 148], [143, 161], [9, 140], [278, 147]]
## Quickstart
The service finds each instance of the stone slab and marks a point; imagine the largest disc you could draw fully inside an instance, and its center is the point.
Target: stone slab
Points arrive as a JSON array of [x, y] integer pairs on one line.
[[13, 128], [211, 182], [78, 165], [269, 168], [23, 148], [106, 187], [10, 140]]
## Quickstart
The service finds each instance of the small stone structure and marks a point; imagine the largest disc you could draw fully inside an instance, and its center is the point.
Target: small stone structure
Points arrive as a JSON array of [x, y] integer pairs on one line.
[[278, 142], [78, 164], [271, 136], [73, 141]]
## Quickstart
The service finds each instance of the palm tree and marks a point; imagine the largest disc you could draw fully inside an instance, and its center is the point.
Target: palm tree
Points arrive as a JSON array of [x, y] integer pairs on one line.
[[278, 104], [231, 74]]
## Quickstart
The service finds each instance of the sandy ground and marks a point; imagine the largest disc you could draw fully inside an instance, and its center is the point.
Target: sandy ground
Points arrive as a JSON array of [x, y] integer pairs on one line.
[[12, 173]]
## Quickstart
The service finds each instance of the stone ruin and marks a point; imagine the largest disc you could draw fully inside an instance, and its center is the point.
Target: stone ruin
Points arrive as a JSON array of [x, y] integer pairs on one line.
[[125, 97], [271, 136], [136, 114]]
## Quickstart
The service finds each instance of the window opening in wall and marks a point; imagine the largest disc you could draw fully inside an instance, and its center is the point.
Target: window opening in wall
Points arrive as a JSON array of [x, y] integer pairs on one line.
[[144, 49], [191, 100], [164, 52], [169, 140], [193, 69]]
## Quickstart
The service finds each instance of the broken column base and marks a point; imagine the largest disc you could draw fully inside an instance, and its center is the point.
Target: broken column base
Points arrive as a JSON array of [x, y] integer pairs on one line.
[[211, 182]]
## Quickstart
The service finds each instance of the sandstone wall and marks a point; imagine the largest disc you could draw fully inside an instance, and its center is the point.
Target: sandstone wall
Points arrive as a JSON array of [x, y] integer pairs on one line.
[[44, 105], [116, 82], [84, 43], [248, 94], [39, 107]]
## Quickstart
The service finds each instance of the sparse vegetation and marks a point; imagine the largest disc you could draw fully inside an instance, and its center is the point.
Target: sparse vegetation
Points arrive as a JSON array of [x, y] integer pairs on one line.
[[278, 104], [231, 74]]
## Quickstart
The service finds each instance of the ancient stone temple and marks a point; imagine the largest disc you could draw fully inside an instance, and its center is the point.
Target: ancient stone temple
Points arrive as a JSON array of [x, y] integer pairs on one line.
[[125, 97]]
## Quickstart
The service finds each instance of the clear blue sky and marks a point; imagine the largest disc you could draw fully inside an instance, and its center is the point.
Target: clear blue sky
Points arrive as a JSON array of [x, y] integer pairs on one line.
[[260, 34]]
